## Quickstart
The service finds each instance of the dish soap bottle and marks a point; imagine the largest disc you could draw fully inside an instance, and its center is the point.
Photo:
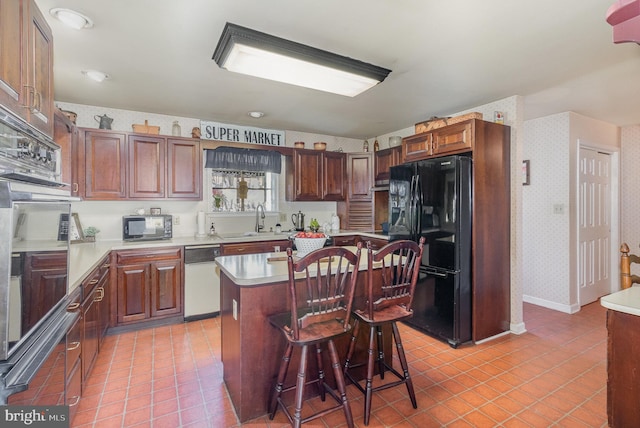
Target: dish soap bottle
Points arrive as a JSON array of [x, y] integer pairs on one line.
[[335, 223]]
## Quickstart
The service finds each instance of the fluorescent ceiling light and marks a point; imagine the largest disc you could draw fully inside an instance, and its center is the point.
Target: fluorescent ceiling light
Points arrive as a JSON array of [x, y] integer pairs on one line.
[[251, 52], [96, 75], [71, 18]]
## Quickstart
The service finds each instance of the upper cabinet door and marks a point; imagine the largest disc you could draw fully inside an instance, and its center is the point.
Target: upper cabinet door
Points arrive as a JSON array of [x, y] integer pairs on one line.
[[453, 138], [146, 166], [104, 166], [360, 171], [12, 66], [307, 170], [40, 71], [184, 172], [334, 169], [26, 64]]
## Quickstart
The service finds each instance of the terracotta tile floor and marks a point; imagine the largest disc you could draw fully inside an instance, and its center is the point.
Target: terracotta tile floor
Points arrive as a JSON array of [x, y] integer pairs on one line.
[[553, 375]]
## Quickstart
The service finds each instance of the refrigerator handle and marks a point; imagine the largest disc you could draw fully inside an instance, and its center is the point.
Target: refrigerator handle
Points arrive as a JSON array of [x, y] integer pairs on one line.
[[418, 209], [412, 207]]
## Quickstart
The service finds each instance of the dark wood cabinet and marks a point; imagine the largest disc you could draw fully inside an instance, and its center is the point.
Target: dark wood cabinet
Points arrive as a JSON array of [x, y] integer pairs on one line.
[[623, 364], [334, 176], [94, 311], [315, 175], [26, 64], [356, 212], [124, 166], [254, 247], [43, 286], [73, 368], [147, 169], [149, 284], [452, 139], [66, 135], [184, 169], [103, 165], [384, 160]]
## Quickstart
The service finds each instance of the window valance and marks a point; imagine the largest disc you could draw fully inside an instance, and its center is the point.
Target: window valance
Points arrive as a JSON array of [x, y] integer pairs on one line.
[[234, 158]]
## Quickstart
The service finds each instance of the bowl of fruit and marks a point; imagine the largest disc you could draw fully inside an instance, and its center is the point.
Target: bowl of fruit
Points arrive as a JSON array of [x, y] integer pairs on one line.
[[307, 242]]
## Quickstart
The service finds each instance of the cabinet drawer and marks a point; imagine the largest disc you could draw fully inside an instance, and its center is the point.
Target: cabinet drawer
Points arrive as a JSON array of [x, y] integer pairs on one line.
[[95, 277], [73, 389], [73, 346], [343, 241], [148, 254], [254, 247]]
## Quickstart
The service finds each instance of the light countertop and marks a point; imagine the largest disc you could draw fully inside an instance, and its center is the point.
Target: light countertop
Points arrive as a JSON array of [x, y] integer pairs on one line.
[[252, 270], [627, 301], [84, 257]]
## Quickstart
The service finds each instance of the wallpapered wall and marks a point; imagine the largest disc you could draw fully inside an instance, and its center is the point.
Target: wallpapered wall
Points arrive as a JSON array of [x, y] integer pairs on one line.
[[630, 189], [549, 264]]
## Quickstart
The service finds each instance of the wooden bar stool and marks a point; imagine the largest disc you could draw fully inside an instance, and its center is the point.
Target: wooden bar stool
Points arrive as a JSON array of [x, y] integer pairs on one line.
[[321, 290], [626, 259], [400, 266]]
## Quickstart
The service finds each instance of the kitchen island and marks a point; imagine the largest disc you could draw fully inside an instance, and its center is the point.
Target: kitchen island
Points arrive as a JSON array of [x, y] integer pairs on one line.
[[253, 287], [623, 357]]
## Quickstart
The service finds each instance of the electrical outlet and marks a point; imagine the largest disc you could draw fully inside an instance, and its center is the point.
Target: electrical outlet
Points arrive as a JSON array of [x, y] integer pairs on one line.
[[558, 208], [176, 220], [283, 217]]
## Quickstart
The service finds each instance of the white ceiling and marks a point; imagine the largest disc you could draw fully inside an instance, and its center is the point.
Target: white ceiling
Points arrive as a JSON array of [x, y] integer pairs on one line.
[[445, 56]]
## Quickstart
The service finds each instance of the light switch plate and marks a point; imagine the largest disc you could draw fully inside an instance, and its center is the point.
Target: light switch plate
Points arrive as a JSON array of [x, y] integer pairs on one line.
[[235, 309]]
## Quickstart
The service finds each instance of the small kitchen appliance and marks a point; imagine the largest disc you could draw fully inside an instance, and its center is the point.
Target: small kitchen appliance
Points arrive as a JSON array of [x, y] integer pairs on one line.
[[147, 227], [298, 221]]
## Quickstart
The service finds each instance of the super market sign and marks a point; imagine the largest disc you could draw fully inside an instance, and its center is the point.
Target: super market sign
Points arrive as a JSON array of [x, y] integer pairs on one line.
[[241, 134]]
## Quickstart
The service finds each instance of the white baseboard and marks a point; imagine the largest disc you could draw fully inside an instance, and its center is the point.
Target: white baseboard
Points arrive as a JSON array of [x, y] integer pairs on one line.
[[518, 328], [567, 309]]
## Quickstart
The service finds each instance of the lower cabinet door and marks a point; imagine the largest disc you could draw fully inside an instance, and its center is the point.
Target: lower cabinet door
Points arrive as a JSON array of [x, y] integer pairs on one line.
[[74, 389], [90, 322]]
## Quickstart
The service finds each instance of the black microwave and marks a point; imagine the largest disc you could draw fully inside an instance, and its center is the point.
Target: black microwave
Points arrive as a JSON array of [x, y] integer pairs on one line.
[[146, 227]]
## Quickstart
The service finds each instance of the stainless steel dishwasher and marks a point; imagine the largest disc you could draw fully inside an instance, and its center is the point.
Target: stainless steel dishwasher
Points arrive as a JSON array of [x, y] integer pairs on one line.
[[201, 282]]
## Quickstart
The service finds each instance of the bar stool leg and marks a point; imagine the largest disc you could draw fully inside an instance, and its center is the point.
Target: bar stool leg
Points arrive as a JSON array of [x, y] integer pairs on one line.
[[369, 384], [337, 372], [302, 371], [352, 345], [284, 366], [404, 365], [321, 376], [380, 352]]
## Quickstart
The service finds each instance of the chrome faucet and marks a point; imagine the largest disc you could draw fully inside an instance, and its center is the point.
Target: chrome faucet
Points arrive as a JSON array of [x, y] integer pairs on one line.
[[259, 217]]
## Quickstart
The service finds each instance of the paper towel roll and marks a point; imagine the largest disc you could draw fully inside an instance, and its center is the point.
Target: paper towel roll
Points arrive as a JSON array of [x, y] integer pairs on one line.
[[201, 227]]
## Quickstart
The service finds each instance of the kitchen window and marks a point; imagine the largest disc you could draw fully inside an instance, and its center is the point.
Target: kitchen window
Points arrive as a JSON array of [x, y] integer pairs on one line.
[[241, 191]]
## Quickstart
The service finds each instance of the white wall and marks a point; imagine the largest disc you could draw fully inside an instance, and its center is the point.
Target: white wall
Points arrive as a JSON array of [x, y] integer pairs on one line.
[[107, 216], [549, 262]]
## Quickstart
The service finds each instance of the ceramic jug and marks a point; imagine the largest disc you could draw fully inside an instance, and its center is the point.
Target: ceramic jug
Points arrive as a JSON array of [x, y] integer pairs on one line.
[[298, 221], [104, 121]]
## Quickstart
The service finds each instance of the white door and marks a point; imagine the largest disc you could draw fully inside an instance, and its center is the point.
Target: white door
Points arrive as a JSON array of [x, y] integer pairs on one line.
[[595, 225]]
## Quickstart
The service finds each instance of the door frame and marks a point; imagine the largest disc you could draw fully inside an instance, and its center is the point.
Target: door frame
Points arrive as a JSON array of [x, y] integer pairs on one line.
[[614, 153]]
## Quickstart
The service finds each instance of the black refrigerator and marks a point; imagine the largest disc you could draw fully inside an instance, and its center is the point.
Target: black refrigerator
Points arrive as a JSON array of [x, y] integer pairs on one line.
[[433, 198]]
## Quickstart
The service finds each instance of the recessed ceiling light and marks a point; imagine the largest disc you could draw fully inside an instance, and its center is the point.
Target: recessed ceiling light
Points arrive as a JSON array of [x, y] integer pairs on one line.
[[96, 75], [71, 18], [256, 114]]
